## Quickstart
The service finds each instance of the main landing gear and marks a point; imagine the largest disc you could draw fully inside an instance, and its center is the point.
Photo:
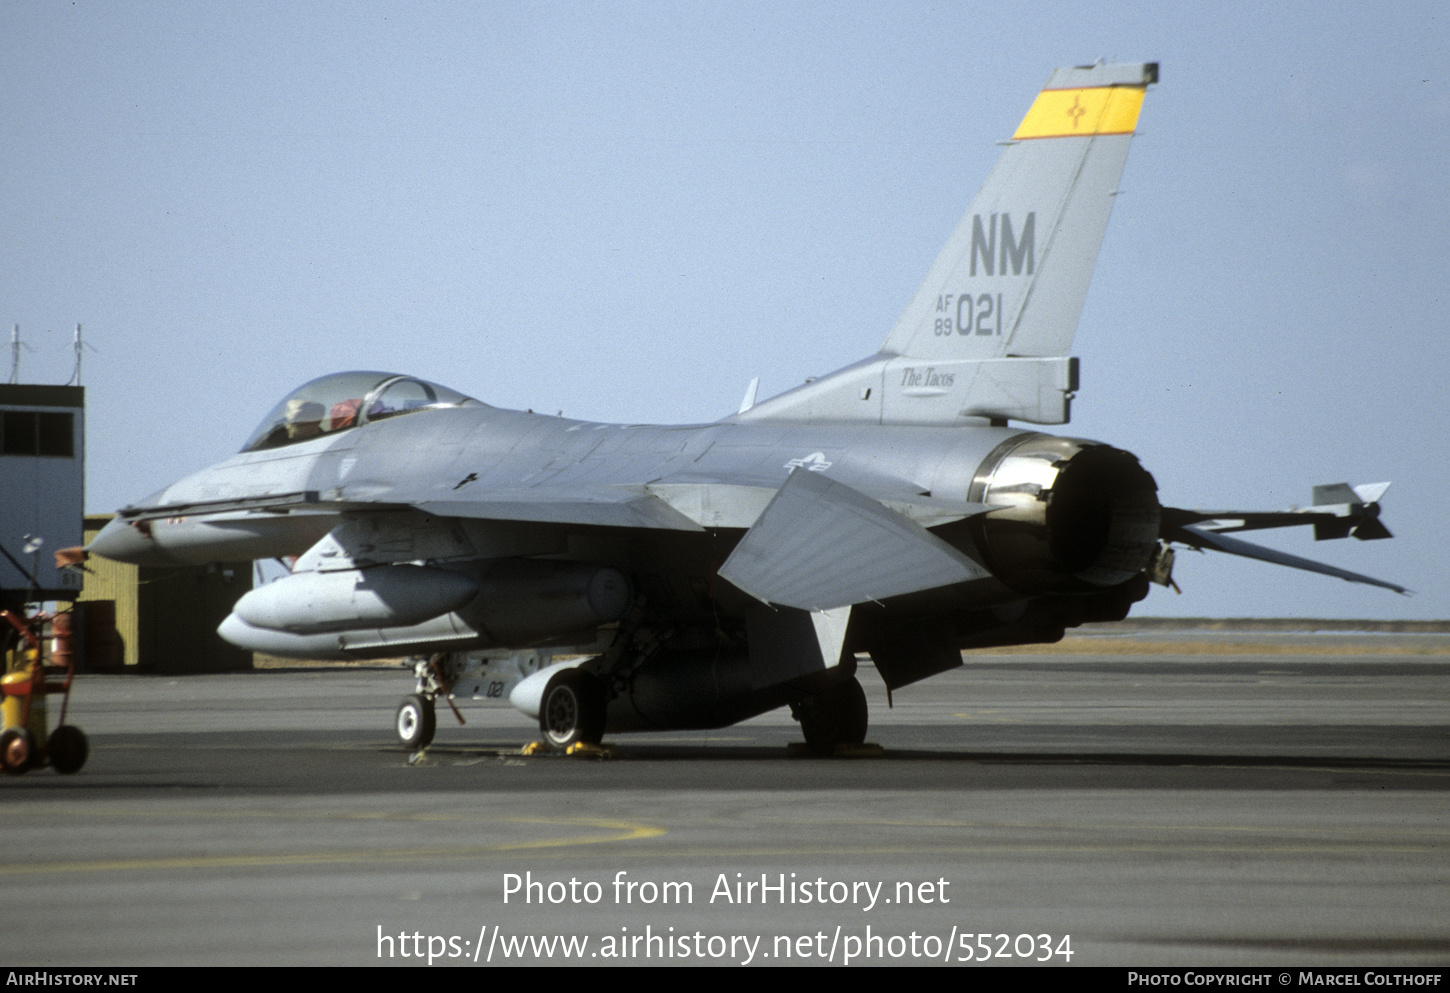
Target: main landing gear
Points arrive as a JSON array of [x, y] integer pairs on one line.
[[835, 716], [573, 709]]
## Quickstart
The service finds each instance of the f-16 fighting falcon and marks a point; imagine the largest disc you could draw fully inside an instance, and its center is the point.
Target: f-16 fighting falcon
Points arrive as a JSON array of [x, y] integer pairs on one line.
[[904, 506]]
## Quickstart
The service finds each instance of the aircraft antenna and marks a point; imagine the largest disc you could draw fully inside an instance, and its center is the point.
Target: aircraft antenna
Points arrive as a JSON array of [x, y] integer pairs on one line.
[[80, 348]]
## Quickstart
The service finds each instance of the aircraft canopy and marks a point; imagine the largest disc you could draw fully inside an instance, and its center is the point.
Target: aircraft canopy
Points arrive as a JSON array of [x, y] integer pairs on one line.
[[345, 400]]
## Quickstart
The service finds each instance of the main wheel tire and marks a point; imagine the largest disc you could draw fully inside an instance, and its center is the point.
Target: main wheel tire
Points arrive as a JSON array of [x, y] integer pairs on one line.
[[68, 749], [573, 709], [835, 716], [416, 722], [17, 750], [854, 712]]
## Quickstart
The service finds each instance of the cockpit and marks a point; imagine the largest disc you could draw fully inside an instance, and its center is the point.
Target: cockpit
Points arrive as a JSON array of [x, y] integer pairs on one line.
[[346, 400]]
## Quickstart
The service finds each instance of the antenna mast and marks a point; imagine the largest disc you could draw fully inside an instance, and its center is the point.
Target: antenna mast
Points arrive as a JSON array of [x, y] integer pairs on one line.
[[15, 346], [80, 348]]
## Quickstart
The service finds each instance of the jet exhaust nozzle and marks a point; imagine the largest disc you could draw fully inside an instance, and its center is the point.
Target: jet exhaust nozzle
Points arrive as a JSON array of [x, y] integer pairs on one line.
[[1075, 516]]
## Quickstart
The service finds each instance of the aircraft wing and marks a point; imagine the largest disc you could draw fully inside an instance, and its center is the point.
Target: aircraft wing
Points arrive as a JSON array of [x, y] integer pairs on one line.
[[811, 543]]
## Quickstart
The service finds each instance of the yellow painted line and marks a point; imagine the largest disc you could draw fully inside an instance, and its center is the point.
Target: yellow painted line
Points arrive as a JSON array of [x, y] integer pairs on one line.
[[991, 715], [618, 831], [1091, 110]]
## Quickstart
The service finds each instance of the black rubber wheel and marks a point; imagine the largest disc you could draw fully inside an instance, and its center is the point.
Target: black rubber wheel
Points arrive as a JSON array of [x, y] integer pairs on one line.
[[852, 711], [835, 716], [68, 749], [17, 750], [416, 722], [572, 710]]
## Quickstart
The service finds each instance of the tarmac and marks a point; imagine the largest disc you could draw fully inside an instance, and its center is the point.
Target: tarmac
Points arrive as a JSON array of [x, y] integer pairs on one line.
[[1190, 798]]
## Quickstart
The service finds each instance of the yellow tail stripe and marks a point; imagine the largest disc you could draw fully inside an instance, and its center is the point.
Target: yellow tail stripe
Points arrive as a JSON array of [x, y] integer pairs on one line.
[[1085, 111]]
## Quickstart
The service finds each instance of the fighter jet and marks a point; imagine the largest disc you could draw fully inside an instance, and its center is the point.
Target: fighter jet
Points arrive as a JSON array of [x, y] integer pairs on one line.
[[905, 506]]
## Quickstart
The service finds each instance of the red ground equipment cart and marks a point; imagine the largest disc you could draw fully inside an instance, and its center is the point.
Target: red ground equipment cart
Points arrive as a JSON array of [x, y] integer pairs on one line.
[[24, 741]]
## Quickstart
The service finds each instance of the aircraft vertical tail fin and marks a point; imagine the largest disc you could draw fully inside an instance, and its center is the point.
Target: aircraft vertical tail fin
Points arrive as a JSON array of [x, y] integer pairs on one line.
[[1013, 276], [988, 333]]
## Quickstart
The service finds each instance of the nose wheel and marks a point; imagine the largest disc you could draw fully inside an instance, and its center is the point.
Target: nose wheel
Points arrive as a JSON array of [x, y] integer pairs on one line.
[[416, 723]]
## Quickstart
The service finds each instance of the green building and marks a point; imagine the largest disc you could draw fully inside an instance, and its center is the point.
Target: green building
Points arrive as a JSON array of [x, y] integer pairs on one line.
[[165, 618]]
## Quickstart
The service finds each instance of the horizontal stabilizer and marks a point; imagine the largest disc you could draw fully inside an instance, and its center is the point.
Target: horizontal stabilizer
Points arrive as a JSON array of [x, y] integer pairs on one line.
[[821, 545], [1201, 539]]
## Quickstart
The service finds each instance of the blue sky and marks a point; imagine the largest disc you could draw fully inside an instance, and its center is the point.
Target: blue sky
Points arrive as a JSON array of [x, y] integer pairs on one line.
[[626, 211]]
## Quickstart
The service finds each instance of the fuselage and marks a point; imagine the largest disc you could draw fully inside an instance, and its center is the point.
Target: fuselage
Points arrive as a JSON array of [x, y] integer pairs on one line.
[[447, 456], [536, 511]]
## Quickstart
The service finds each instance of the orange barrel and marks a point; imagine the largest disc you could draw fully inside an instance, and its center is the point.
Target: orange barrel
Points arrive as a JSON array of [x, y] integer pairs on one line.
[[63, 640]]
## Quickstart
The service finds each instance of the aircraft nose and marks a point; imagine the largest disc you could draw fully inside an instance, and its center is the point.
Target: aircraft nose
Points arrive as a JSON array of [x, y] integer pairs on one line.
[[125, 542]]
